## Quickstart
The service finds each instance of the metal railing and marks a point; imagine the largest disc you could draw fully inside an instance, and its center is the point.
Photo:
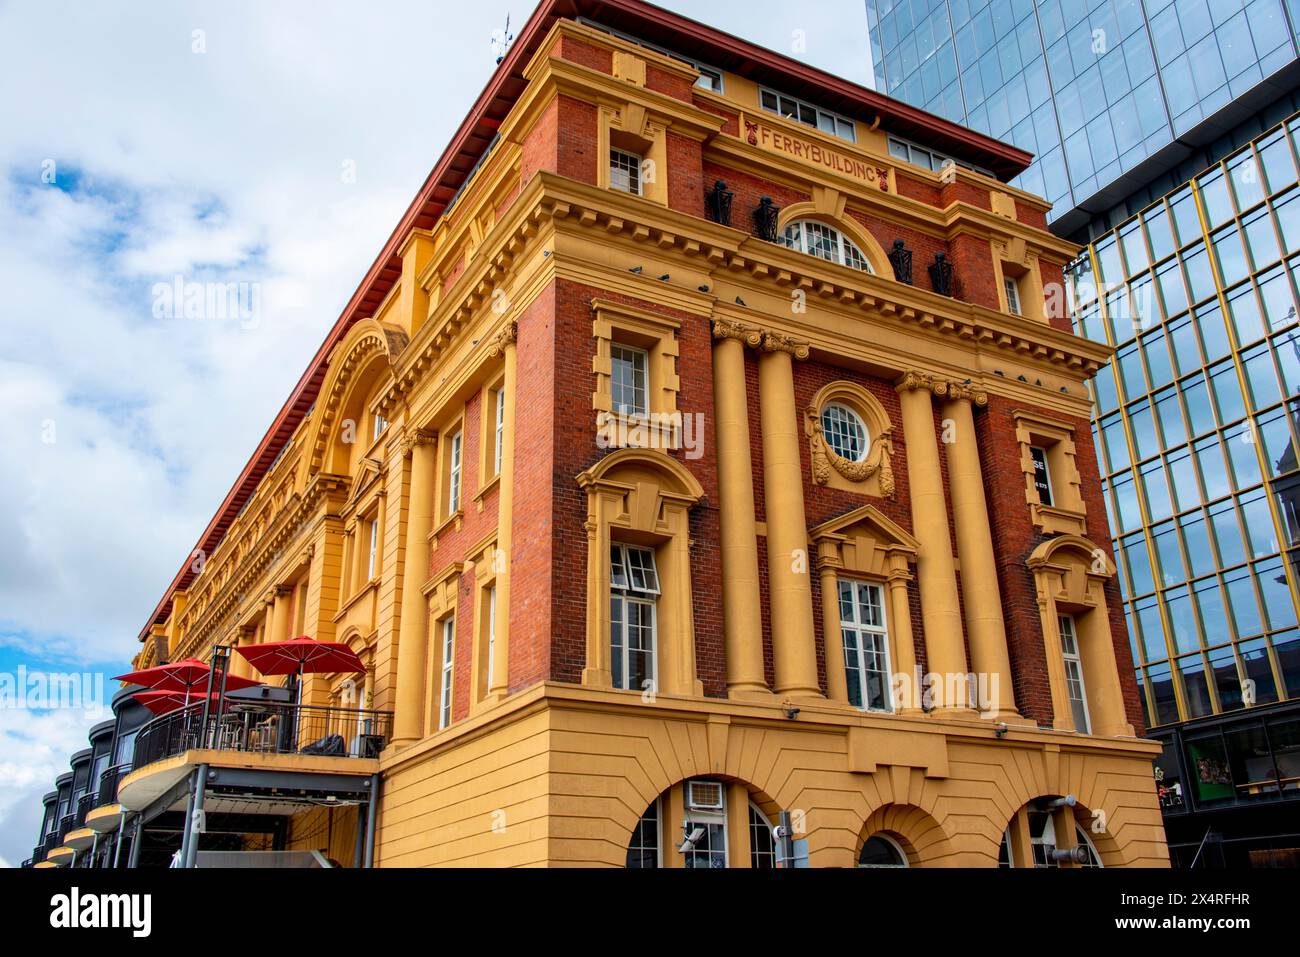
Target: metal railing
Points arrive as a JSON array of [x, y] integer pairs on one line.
[[85, 804], [265, 727], [108, 784]]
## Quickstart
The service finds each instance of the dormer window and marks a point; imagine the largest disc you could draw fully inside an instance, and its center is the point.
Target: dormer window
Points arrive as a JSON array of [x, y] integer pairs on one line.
[[818, 239]]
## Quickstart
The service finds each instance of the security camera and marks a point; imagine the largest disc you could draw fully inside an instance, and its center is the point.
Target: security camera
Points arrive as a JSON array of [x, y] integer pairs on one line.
[[691, 840], [1068, 801]]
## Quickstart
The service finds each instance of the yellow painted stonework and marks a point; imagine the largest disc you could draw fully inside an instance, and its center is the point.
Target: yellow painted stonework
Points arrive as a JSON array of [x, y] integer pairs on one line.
[[557, 774]]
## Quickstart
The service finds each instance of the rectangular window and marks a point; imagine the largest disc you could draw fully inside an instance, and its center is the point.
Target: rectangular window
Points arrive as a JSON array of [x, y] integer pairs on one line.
[[1074, 674], [374, 548], [634, 593], [444, 684], [628, 374], [866, 644], [804, 112], [1042, 477], [625, 171], [453, 475], [499, 432], [377, 426], [491, 635], [1013, 296]]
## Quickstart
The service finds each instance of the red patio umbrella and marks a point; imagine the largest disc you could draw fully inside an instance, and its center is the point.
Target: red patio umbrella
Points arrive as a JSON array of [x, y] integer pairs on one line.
[[190, 675], [165, 702], [302, 655]]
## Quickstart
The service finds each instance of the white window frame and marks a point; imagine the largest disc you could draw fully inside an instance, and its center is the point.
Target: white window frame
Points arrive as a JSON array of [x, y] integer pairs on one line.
[[804, 238], [626, 592], [445, 679], [500, 430], [378, 425], [928, 158], [639, 360], [838, 122], [1012, 289], [862, 631], [491, 635], [453, 473], [853, 419], [708, 818], [1069, 633], [374, 549], [625, 171]]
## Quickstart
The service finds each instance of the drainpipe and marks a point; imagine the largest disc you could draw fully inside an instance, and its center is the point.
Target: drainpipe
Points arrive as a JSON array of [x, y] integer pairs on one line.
[[192, 819], [371, 811]]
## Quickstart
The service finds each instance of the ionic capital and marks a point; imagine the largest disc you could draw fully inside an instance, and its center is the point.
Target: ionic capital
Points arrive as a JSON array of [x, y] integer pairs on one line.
[[779, 342], [745, 335], [413, 438]]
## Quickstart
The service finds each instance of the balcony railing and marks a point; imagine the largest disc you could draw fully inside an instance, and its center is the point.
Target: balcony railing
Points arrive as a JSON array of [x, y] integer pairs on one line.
[[108, 784], [65, 827], [85, 805], [265, 727]]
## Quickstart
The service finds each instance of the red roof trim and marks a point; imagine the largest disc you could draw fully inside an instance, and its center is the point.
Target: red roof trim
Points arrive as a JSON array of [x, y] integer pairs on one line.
[[476, 132]]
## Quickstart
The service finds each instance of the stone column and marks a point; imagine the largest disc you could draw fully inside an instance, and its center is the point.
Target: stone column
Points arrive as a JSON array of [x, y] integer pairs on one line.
[[900, 629], [283, 612], [837, 682], [936, 571], [413, 633], [982, 596], [788, 563], [742, 621], [499, 679]]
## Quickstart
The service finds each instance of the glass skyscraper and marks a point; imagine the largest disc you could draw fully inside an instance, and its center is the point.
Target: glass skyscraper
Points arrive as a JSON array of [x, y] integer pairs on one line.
[[1094, 89], [1165, 134]]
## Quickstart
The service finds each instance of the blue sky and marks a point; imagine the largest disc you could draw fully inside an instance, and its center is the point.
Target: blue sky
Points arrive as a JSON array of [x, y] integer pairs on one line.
[[131, 156]]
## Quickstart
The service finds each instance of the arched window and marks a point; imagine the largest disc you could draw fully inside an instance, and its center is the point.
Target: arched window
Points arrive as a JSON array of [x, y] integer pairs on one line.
[[880, 850], [845, 432], [762, 849], [818, 239]]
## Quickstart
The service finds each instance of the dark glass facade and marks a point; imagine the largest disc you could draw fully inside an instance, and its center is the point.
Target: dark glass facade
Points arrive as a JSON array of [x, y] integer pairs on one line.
[[1093, 88]]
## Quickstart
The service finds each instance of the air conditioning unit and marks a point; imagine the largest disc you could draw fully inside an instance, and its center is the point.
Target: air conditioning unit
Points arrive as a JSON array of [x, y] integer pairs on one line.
[[704, 795]]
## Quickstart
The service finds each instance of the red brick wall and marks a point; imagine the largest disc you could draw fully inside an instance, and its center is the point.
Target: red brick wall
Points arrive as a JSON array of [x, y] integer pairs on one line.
[[531, 566], [575, 450], [685, 174], [1015, 537]]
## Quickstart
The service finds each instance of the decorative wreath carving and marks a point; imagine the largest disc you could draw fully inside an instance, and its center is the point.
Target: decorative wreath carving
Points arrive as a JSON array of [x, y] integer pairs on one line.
[[824, 458]]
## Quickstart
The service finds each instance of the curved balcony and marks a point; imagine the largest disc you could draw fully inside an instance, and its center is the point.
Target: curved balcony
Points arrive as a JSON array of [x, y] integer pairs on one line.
[[106, 815], [252, 735]]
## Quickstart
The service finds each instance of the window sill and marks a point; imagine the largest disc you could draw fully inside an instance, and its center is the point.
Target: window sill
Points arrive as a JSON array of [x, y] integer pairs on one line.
[[452, 522], [1053, 519], [488, 486], [654, 430]]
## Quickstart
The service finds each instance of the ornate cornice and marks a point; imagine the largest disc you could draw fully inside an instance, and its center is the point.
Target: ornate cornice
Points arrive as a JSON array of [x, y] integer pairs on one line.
[[746, 335]]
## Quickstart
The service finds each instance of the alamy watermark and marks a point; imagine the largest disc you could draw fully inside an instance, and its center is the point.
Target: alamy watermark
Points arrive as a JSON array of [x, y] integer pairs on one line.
[[239, 301], [654, 430], [49, 691]]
